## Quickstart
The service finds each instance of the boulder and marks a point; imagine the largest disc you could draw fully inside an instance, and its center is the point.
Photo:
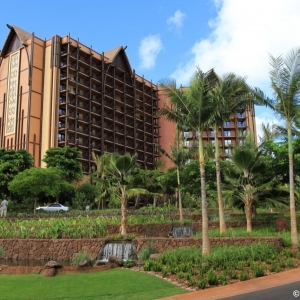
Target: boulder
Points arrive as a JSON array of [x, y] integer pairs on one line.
[[99, 263], [52, 264], [85, 263], [281, 225], [116, 260], [50, 272], [154, 256]]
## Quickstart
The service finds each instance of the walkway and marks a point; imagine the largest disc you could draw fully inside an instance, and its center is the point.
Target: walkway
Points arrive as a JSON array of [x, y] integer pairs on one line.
[[244, 287]]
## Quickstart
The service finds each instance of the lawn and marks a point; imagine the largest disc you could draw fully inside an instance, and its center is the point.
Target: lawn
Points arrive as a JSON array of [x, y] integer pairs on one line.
[[116, 284]]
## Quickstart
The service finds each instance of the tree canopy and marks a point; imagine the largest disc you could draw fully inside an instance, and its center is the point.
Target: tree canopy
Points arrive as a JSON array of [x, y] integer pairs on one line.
[[65, 158]]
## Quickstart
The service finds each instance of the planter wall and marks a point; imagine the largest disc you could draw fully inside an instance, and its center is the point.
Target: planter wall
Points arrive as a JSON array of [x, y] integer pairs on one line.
[[163, 230], [60, 249], [163, 244]]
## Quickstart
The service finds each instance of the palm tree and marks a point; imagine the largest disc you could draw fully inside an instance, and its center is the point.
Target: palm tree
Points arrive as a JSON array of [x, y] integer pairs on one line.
[[248, 175], [102, 163], [121, 169], [179, 156], [229, 93], [285, 83], [269, 132], [191, 107]]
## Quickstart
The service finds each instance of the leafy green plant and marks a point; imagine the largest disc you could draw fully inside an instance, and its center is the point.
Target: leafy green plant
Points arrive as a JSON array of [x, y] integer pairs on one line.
[[79, 257], [244, 275], [202, 283], [212, 277], [258, 270], [290, 263], [129, 263], [146, 252], [273, 267]]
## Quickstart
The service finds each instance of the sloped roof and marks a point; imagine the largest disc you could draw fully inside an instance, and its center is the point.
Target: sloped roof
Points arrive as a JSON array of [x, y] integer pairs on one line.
[[22, 35], [113, 54]]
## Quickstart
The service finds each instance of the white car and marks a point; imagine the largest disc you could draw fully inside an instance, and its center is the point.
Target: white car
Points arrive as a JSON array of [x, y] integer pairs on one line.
[[53, 207]]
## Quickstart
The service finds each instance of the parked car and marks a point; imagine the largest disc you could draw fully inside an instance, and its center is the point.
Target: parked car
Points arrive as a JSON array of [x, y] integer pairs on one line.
[[53, 207]]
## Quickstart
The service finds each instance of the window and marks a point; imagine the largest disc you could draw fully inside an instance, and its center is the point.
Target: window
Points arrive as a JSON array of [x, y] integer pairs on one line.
[[226, 132], [212, 133], [213, 142], [227, 124], [241, 124], [241, 115], [187, 143], [62, 112], [197, 133], [241, 132], [61, 137], [228, 151], [186, 134], [227, 142]]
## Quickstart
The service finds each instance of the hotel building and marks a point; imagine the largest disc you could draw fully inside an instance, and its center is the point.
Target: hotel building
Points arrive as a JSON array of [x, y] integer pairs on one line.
[[59, 92]]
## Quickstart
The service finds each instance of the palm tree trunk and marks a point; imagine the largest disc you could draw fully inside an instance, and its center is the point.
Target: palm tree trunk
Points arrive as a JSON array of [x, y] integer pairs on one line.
[[294, 234], [205, 237], [248, 210], [219, 186], [123, 228], [179, 197]]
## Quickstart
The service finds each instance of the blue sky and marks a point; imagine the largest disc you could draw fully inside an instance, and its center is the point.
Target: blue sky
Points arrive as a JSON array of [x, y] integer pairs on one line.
[[169, 38]]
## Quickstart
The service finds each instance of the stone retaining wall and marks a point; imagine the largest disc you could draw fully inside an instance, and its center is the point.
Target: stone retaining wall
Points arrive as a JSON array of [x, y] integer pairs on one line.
[[163, 230], [49, 248], [163, 244], [65, 249]]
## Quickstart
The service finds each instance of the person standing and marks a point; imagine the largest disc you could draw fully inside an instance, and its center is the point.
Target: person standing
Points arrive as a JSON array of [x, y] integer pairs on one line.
[[4, 204]]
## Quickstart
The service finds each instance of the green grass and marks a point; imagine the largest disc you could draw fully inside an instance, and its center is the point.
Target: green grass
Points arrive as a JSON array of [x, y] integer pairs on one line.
[[115, 284]]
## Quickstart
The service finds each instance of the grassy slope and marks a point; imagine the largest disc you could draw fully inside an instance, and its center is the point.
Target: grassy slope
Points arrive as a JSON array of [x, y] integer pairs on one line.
[[113, 284]]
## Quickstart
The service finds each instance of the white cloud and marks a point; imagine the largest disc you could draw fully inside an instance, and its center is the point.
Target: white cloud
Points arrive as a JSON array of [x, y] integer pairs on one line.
[[176, 21], [149, 49], [243, 34]]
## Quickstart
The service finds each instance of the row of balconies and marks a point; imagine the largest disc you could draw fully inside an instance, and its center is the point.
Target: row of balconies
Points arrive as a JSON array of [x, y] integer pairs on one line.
[[110, 82]]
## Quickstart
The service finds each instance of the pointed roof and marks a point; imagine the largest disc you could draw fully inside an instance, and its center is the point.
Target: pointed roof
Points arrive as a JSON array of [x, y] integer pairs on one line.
[[118, 57], [21, 34]]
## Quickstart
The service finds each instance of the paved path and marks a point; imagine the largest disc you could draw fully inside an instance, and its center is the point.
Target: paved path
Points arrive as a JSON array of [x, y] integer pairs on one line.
[[279, 286]]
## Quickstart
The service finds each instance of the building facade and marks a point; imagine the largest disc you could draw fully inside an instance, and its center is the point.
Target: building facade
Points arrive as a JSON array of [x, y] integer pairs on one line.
[[59, 92], [233, 132]]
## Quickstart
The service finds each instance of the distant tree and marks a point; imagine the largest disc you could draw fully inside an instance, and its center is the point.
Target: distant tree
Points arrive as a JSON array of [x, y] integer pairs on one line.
[[38, 182], [12, 162], [88, 194], [121, 169], [65, 158], [248, 176], [179, 156]]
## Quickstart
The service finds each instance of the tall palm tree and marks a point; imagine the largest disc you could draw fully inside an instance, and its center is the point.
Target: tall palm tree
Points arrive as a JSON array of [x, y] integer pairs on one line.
[[179, 156], [285, 83], [228, 94], [191, 107], [121, 169]]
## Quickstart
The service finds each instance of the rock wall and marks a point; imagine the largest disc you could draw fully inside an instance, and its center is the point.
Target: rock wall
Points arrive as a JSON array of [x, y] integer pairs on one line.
[[163, 244], [49, 248], [163, 230], [65, 249]]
